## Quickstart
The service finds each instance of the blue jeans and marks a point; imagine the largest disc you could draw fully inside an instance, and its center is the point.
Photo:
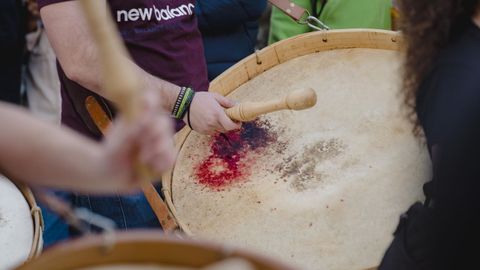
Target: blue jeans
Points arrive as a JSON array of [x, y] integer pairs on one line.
[[55, 229], [128, 212]]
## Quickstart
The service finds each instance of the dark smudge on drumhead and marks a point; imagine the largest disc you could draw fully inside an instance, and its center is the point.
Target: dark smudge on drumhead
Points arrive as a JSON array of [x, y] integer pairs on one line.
[[299, 169], [230, 162]]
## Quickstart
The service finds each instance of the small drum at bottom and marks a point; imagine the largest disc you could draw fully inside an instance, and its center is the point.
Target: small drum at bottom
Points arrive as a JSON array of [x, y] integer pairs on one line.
[[20, 225], [146, 250]]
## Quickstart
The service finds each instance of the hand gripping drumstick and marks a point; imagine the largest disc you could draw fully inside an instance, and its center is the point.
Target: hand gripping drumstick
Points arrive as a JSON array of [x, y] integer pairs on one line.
[[297, 100], [121, 85]]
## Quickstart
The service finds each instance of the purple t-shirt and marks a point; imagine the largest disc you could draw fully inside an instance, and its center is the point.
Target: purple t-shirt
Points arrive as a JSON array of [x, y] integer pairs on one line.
[[162, 38]]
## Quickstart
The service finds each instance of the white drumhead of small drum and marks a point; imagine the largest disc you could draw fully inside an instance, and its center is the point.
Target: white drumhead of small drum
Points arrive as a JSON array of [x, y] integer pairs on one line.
[[16, 225]]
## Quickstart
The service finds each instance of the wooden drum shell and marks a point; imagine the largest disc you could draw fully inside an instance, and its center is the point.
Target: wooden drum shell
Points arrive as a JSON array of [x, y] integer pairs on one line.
[[346, 43], [142, 248]]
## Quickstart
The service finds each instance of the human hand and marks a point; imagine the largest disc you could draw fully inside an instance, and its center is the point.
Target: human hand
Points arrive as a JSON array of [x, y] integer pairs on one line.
[[207, 113], [148, 141]]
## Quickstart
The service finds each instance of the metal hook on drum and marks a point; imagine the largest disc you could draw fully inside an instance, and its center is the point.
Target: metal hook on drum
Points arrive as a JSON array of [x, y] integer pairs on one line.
[[313, 22]]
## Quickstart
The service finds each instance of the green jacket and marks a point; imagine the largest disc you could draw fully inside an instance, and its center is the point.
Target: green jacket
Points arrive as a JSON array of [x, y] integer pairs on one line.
[[337, 14]]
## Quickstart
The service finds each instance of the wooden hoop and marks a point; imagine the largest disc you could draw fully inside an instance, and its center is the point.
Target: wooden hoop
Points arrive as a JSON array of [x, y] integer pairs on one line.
[[38, 225], [143, 247]]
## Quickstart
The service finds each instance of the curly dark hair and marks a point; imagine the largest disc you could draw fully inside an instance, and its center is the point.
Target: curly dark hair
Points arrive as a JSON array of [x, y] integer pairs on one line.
[[428, 26]]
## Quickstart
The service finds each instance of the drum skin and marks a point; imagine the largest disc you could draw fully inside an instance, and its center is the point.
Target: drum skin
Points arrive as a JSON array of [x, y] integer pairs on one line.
[[321, 188], [16, 225]]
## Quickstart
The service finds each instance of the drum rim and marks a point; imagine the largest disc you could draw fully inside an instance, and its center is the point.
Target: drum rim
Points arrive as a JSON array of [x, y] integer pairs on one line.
[[37, 218], [38, 225], [281, 52], [102, 251]]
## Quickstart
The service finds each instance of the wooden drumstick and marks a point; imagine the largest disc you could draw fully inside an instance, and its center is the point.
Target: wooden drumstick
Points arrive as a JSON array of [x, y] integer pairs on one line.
[[120, 83], [297, 100], [122, 86]]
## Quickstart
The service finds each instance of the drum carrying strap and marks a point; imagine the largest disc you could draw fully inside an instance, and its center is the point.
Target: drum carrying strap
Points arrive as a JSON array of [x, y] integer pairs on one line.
[[159, 207], [291, 9], [299, 14]]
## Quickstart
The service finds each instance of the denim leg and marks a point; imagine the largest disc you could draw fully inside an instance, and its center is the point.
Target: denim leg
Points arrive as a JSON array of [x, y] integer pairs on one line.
[[128, 212], [56, 229]]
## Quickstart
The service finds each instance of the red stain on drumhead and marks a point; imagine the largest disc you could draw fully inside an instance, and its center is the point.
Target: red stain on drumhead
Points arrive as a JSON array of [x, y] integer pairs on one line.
[[230, 162]]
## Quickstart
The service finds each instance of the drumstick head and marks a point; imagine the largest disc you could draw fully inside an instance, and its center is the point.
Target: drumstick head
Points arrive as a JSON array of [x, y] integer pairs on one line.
[[301, 99]]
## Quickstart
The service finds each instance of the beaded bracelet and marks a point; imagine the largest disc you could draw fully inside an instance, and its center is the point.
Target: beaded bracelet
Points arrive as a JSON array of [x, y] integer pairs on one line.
[[178, 102], [182, 104]]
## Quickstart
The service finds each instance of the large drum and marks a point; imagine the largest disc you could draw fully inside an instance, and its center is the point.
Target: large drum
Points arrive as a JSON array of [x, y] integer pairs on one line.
[[20, 225], [146, 250], [321, 188]]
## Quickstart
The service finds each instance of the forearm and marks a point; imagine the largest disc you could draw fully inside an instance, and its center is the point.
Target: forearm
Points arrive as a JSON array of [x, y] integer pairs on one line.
[[168, 91], [40, 154], [80, 58]]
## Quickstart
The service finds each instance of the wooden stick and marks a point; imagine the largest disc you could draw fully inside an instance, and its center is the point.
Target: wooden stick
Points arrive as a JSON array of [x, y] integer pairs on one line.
[[119, 81], [298, 100], [122, 86]]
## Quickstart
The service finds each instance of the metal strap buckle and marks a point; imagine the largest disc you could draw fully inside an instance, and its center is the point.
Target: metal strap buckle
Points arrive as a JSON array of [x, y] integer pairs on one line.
[[313, 22]]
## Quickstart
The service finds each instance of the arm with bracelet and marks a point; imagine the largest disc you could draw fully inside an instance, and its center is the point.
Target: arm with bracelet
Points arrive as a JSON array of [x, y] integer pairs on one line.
[[78, 56], [191, 106]]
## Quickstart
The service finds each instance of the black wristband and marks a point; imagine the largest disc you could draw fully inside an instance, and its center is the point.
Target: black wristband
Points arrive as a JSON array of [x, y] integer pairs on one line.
[[188, 120]]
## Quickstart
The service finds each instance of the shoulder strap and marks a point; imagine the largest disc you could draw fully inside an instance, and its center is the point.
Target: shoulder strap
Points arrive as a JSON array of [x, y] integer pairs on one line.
[[293, 10], [300, 14]]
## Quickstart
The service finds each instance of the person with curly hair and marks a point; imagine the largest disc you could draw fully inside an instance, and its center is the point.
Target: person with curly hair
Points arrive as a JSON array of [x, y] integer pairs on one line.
[[442, 94]]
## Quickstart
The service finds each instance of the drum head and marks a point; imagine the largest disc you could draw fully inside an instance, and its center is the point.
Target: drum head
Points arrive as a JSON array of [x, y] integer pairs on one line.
[[16, 225], [321, 188]]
